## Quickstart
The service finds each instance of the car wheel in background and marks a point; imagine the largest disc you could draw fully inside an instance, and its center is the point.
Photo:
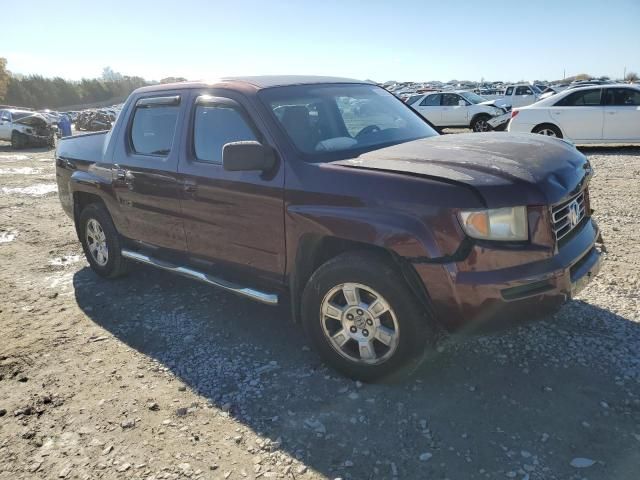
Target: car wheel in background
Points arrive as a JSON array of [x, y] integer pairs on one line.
[[363, 318], [547, 130], [17, 141], [480, 123], [101, 242]]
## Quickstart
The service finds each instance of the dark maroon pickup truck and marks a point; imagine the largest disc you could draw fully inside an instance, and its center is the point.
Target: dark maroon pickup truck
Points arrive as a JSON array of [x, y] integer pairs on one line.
[[333, 196]]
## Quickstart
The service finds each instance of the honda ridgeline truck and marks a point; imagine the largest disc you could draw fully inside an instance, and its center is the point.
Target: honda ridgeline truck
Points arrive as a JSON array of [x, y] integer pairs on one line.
[[333, 197]]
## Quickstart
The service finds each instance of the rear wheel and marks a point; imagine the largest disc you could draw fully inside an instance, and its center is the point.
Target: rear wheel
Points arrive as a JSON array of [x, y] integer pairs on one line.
[[363, 319], [481, 124], [548, 130], [101, 242]]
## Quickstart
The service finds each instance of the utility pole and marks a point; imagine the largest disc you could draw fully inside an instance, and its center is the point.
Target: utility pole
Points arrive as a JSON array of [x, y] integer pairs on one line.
[[564, 74], [624, 75]]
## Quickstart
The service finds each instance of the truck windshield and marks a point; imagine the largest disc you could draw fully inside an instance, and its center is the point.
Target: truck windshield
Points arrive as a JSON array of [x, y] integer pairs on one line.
[[326, 122]]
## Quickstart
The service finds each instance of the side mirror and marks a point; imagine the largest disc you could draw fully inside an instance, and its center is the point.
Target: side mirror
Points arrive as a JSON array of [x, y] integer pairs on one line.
[[247, 156], [462, 103]]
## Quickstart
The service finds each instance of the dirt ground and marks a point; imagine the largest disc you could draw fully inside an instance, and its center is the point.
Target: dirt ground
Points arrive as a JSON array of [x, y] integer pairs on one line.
[[154, 376]]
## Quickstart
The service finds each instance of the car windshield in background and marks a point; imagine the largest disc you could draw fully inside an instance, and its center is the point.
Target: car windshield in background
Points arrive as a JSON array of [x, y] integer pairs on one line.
[[325, 121], [473, 97], [20, 115]]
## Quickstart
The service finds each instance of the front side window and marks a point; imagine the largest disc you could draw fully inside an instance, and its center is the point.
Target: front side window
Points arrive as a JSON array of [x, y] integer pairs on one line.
[[331, 121], [154, 125], [509, 91], [431, 101], [5, 116], [523, 91], [583, 98], [214, 127], [623, 97], [450, 99]]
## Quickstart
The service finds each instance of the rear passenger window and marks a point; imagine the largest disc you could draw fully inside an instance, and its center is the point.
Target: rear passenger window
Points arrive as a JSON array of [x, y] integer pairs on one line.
[[583, 98], [214, 127], [154, 125], [431, 101]]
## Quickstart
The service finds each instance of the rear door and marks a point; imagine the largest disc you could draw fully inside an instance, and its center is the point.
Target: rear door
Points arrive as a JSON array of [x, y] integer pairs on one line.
[[233, 220], [622, 114], [580, 115], [430, 108], [454, 114], [145, 171]]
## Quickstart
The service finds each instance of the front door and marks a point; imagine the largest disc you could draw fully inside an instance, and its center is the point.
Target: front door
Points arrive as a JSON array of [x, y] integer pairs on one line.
[[454, 110], [622, 114], [233, 220], [145, 173]]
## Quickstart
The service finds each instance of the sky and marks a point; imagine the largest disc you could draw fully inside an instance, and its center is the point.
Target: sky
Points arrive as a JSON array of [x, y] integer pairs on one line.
[[366, 39]]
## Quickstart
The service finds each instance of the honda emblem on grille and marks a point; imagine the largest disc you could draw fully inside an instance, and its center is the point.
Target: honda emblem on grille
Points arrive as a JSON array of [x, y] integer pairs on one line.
[[574, 213]]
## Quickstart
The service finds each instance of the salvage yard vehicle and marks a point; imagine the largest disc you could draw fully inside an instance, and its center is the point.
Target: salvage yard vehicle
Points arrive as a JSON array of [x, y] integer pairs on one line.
[[332, 197], [25, 128], [460, 109], [518, 95], [584, 115]]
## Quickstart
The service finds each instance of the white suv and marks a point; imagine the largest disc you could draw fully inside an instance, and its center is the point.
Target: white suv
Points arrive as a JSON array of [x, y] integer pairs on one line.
[[458, 109]]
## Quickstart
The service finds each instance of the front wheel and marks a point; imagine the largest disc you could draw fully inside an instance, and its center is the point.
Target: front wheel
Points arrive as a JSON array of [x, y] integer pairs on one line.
[[481, 124], [363, 319], [17, 140], [101, 242]]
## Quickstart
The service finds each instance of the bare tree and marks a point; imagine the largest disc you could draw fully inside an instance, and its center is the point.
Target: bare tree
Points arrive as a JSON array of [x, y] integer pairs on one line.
[[4, 79], [632, 77]]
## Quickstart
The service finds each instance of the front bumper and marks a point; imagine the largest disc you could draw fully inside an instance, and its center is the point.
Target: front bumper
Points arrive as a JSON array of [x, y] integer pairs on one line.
[[471, 299]]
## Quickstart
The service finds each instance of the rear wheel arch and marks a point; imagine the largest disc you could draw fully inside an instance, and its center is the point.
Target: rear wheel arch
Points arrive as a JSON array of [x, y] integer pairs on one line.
[[549, 125], [80, 201]]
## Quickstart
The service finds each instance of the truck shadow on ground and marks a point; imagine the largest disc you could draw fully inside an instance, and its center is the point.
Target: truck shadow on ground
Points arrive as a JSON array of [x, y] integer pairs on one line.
[[474, 404]]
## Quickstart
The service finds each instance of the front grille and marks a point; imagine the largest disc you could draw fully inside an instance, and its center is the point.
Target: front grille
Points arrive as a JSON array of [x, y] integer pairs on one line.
[[567, 215]]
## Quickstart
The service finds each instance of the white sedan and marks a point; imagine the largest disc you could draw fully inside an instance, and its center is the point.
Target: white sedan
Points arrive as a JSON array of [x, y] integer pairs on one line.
[[594, 114]]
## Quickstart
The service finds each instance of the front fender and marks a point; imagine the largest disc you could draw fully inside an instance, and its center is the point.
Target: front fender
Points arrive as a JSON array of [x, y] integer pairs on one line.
[[403, 234]]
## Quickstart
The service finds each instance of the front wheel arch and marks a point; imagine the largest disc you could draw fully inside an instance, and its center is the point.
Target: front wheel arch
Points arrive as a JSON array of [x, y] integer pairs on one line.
[[477, 117]]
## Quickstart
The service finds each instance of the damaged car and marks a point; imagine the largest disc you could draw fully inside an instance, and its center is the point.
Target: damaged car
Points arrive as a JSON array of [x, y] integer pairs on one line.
[[24, 128], [461, 109]]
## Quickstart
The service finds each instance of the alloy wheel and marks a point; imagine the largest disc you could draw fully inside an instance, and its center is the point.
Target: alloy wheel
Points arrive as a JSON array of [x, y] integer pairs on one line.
[[97, 242], [359, 323]]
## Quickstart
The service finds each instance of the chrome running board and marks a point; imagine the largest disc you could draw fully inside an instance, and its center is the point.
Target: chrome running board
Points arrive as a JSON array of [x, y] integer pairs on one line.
[[263, 297]]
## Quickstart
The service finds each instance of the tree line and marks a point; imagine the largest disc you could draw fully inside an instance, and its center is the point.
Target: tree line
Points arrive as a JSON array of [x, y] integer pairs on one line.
[[36, 91]]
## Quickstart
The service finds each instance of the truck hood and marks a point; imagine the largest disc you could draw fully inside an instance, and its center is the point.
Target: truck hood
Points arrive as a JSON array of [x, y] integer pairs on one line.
[[504, 169]]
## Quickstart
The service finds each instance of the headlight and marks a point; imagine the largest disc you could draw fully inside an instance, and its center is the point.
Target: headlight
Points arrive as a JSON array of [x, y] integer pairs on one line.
[[498, 111], [506, 224]]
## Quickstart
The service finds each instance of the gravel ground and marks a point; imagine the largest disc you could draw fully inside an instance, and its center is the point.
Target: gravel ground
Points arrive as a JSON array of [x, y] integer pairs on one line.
[[154, 376]]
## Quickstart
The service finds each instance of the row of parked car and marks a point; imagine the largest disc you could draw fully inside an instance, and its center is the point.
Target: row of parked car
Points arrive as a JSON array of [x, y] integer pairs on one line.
[[584, 113]]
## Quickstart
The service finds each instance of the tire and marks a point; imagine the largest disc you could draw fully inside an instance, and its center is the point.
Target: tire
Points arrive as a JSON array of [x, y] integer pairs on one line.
[[101, 242], [404, 327], [17, 141], [548, 130], [479, 123]]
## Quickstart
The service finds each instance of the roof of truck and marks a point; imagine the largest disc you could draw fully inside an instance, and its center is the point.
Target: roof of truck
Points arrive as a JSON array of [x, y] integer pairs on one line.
[[257, 82]]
